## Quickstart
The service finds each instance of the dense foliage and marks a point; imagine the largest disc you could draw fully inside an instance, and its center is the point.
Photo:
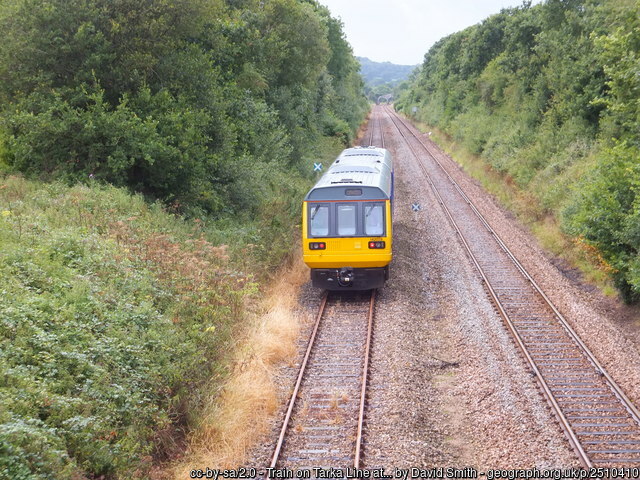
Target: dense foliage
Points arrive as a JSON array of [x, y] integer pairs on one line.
[[115, 315], [112, 314], [193, 102], [116, 321], [549, 95]]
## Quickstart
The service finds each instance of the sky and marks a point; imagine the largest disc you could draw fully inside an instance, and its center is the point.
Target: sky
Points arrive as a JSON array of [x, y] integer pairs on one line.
[[402, 31]]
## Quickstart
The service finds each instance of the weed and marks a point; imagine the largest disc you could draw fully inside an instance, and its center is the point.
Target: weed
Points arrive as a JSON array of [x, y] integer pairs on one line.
[[235, 419]]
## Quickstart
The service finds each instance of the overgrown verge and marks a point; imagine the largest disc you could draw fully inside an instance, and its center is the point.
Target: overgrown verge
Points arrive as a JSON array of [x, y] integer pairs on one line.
[[547, 96], [236, 420], [545, 227], [112, 315], [118, 321]]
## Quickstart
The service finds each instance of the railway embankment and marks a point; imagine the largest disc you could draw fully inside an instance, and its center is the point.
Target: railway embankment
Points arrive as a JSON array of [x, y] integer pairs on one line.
[[116, 318], [553, 112], [126, 326]]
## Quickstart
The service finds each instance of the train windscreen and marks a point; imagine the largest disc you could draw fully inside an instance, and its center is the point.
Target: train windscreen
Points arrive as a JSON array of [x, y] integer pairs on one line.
[[319, 219], [347, 219], [374, 220]]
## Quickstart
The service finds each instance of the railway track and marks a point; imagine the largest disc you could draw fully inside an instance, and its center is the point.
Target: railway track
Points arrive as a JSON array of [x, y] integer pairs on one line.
[[600, 422], [375, 140], [323, 424], [324, 420]]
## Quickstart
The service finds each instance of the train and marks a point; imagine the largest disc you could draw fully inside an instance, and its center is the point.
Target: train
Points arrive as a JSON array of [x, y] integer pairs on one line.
[[347, 221]]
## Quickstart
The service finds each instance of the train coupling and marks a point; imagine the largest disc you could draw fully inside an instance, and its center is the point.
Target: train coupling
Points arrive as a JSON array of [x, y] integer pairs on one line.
[[345, 276]]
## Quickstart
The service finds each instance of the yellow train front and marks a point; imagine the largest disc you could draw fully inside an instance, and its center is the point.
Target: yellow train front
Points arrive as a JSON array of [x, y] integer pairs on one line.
[[347, 221]]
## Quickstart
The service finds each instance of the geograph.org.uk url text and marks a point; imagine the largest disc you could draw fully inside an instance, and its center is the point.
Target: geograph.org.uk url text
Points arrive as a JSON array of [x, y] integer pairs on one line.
[[419, 473]]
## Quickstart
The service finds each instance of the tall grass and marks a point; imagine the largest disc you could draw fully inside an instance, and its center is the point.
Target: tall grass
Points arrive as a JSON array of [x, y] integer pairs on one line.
[[235, 420]]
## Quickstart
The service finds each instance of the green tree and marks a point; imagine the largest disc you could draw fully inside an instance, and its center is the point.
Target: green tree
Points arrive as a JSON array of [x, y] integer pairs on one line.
[[543, 92], [606, 212], [167, 97]]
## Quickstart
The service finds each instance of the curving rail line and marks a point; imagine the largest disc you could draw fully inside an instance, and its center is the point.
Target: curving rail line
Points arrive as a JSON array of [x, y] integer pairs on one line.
[[601, 423]]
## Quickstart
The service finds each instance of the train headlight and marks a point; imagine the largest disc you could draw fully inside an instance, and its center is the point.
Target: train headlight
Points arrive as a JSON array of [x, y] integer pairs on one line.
[[317, 246], [376, 245]]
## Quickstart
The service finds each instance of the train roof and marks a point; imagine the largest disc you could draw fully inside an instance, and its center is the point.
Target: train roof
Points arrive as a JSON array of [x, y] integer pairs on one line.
[[358, 151], [365, 156], [368, 179]]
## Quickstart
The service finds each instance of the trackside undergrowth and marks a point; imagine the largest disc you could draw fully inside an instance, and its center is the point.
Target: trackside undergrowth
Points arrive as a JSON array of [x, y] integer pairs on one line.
[[120, 323], [237, 419], [544, 226], [112, 314]]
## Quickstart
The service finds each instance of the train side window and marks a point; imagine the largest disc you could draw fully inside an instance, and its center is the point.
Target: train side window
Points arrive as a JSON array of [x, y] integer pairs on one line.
[[374, 220], [319, 220], [347, 219]]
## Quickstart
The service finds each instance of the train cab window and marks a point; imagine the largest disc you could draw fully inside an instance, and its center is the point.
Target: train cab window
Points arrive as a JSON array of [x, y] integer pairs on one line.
[[347, 219], [374, 220], [319, 220]]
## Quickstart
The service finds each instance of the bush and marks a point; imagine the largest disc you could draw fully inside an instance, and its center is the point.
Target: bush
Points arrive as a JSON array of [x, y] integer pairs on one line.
[[335, 127], [539, 91], [113, 316], [606, 212], [170, 98]]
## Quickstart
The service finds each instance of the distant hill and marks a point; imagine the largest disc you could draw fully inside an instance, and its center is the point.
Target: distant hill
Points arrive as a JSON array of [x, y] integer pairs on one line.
[[376, 73]]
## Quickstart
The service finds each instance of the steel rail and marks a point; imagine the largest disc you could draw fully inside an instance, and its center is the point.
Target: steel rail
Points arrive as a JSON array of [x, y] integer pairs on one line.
[[578, 343], [618, 391], [376, 124], [363, 390], [301, 375], [372, 132], [303, 366], [381, 131]]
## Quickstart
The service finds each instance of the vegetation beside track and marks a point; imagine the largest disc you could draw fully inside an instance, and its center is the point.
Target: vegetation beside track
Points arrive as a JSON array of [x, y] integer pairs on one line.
[[543, 225], [118, 320], [198, 104], [152, 162], [547, 96]]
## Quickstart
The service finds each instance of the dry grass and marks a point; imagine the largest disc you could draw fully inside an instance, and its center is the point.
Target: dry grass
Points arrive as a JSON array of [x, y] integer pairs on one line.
[[237, 417], [362, 131]]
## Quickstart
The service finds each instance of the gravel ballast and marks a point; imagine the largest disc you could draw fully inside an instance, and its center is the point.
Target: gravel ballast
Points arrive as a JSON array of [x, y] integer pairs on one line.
[[442, 361], [447, 385]]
